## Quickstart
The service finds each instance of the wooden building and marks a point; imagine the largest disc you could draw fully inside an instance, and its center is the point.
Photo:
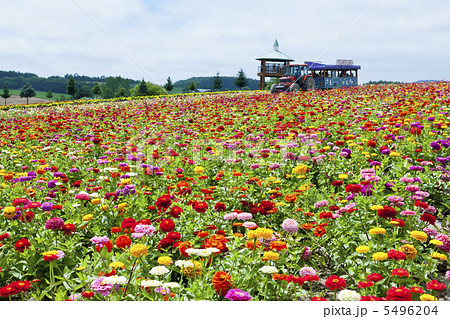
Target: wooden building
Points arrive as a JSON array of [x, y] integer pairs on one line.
[[272, 65]]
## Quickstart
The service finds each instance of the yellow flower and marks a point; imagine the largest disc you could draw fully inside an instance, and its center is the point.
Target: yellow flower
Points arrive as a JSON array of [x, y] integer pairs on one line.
[[427, 297], [117, 264], [103, 207], [380, 256], [300, 169], [264, 233], [199, 170], [87, 217], [376, 207], [189, 271], [138, 250], [362, 249], [409, 251], [436, 255], [251, 234], [164, 260], [269, 255], [343, 176], [96, 201], [394, 154], [81, 268], [436, 242], [9, 212], [418, 235], [125, 182], [377, 231]]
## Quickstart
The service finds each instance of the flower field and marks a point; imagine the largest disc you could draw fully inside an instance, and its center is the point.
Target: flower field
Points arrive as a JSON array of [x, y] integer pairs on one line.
[[323, 195]]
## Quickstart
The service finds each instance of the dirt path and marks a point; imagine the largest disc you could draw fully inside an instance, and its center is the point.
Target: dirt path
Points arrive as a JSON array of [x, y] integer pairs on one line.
[[15, 99]]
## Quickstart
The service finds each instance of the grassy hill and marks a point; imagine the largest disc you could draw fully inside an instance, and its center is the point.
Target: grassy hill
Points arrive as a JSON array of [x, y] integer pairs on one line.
[[42, 95], [206, 82]]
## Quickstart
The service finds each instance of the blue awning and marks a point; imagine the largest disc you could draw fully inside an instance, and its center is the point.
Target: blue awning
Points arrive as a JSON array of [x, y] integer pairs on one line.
[[321, 66]]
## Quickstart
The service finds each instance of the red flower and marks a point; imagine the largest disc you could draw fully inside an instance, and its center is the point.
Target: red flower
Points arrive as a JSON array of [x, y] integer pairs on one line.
[[266, 207], [416, 290], [123, 241], [319, 231], [163, 202], [387, 212], [365, 284], [21, 285], [27, 216], [220, 207], [435, 285], [4, 236], [108, 245], [87, 294], [400, 222], [21, 245], [221, 281], [396, 255], [128, 223], [68, 228], [165, 243], [420, 204], [334, 282], [428, 218], [315, 298], [353, 188], [167, 225], [173, 235], [400, 272], [175, 211], [399, 294], [325, 215], [374, 277], [337, 183], [200, 207], [370, 298]]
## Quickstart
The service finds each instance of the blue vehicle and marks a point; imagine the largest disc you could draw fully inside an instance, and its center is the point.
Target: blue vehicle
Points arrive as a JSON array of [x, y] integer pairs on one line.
[[314, 75]]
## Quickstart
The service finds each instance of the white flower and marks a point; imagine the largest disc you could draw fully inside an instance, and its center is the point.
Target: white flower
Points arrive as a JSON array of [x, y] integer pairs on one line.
[[171, 285], [115, 280], [213, 250], [184, 263], [269, 269], [151, 283], [203, 253], [192, 251], [348, 295], [159, 270]]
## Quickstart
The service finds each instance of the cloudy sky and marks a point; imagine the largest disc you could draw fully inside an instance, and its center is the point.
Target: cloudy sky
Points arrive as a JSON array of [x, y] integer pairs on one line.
[[399, 40]]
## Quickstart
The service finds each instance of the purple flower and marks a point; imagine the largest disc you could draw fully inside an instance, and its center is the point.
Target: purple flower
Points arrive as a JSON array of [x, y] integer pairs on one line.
[[375, 163], [435, 145], [103, 288], [54, 223], [237, 295], [307, 252], [99, 240], [307, 271], [46, 206]]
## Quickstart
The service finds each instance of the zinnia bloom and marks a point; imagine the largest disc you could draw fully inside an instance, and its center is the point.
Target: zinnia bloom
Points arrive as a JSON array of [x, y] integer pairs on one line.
[[399, 294], [409, 251], [418, 235], [290, 226], [435, 285], [335, 283], [221, 281], [123, 241], [237, 295], [21, 245], [138, 250]]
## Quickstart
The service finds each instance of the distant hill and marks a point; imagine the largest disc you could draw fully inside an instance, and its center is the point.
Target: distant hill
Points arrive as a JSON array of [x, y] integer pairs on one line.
[[206, 82]]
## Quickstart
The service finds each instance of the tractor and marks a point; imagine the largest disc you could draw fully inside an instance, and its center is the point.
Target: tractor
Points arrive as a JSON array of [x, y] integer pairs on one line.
[[296, 76]]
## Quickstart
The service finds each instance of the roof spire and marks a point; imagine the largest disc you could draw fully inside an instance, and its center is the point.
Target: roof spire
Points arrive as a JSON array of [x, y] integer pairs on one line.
[[275, 45]]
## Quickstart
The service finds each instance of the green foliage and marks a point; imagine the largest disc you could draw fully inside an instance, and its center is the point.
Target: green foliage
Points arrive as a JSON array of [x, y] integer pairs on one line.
[[169, 85], [217, 85], [27, 91], [192, 86], [241, 79], [71, 88], [96, 90], [207, 82], [113, 85], [147, 89], [6, 93], [49, 94]]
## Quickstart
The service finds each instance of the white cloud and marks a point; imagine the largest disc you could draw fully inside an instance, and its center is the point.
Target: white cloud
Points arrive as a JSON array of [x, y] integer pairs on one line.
[[399, 40]]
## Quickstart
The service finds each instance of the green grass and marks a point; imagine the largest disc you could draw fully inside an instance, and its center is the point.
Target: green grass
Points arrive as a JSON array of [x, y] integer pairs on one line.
[[42, 95]]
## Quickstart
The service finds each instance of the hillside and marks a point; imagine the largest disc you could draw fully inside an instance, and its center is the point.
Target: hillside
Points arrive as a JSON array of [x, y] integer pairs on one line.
[[206, 82]]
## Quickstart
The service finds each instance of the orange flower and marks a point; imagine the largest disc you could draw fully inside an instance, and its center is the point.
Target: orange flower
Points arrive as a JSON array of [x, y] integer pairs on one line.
[[252, 245], [182, 246], [307, 226], [279, 276], [290, 198], [278, 245], [221, 281]]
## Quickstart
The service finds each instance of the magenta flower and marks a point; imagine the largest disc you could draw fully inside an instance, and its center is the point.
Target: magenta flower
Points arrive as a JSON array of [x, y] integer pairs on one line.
[[54, 223], [237, 295]]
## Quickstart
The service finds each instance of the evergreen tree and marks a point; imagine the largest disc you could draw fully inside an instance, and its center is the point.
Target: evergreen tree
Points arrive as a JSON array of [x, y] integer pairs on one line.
[[169, 85], [192, 86], [6, 93], [71, 88], [96, 89], [217, 85], [241, 79], [49, 95], [142, 88], [27, 91]]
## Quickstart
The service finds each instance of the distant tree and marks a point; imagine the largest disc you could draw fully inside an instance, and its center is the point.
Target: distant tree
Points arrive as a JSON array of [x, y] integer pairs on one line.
[[96, 90], [142, 88], [6, 93], [71, 88], [241, 79], [122, 92], [83, 92], [27, 91], [192, 86], [169, 85], [217, 85], [49, 95]]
